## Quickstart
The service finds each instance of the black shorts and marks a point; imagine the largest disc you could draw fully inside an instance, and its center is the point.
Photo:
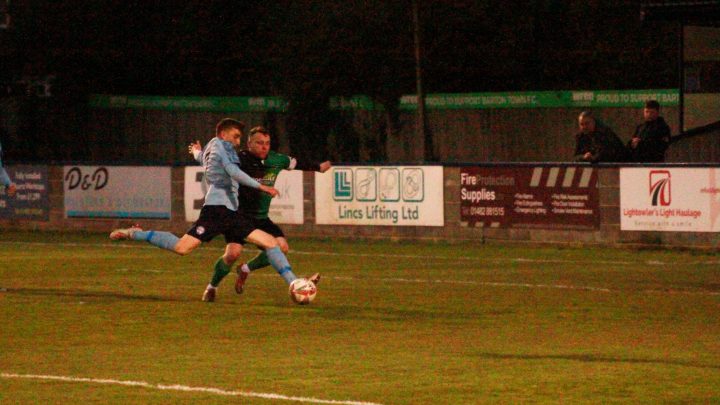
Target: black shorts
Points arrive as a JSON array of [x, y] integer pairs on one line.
[[267, 225], [219, 220]]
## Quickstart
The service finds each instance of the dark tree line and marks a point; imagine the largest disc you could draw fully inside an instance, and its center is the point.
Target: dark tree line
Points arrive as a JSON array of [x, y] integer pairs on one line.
[[307, 51]]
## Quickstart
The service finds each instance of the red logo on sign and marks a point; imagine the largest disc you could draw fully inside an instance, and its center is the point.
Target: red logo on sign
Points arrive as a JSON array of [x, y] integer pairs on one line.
[[660, 192]]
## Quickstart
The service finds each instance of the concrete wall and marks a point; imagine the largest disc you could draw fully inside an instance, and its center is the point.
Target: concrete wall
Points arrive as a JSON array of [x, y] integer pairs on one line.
[[608, 234]]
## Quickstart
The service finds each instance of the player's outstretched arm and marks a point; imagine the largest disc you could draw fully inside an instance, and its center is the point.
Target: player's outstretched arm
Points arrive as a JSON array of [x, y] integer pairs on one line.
[[232, 169], [195, 149], [306, 165], [241, 177], [269, 190]]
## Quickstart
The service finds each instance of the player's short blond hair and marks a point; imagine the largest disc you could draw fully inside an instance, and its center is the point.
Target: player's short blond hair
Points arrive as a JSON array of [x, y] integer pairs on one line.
[[259, 130]]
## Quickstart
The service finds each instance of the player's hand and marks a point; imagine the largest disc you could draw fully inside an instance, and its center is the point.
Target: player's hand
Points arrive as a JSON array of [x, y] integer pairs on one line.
[[11, 189], [195, 146], [634, 142], [270, 190], [587, 156], [325, 166]]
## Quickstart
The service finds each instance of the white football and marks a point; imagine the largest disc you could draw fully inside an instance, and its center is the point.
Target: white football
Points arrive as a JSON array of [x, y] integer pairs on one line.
[[302, 291]]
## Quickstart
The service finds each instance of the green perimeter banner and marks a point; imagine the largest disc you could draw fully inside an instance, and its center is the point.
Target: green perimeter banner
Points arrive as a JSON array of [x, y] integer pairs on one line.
[[544, 99], [223, 104], [472, 101]]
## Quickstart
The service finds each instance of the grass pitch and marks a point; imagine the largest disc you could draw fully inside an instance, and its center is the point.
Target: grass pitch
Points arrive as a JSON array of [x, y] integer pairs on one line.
[[393, 323]]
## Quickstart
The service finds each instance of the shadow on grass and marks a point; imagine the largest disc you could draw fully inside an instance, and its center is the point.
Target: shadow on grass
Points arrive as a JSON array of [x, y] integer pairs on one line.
[[57, 292], [592, 358]]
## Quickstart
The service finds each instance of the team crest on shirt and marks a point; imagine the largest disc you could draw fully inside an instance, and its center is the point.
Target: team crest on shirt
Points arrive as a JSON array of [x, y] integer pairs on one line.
[[200, 230]]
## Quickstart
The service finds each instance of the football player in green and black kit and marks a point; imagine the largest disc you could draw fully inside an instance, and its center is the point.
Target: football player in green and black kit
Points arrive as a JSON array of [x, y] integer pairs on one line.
[[263, 165]]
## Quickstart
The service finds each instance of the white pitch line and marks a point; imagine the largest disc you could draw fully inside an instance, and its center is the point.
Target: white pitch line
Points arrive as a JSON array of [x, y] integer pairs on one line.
[[486, 283], [125, 270], [407, 256], [381, 255], [184, 388], [456, 282], [523, 285], [463, 258]]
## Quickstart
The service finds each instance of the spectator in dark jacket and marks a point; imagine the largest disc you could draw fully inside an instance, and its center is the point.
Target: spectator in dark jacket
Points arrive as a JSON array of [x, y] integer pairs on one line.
[[597, 143], [651, 138]]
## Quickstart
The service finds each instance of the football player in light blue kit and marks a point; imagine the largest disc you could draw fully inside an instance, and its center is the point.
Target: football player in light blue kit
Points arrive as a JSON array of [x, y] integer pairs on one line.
[[5, 179], [263, 165], [220, 214]]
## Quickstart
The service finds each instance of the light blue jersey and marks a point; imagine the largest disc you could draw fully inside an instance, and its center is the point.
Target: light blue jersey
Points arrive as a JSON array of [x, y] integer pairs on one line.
[[223, 175], [4, 178]]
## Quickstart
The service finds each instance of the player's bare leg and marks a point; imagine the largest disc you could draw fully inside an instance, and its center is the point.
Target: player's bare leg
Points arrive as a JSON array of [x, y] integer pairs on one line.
[[186, 244]]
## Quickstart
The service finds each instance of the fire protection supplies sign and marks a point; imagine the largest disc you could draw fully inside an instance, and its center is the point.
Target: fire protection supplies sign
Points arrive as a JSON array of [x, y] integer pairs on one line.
[[530, 197]]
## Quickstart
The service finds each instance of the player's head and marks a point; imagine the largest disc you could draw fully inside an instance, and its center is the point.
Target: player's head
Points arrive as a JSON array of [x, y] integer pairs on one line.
[[259, 142], [230, 130], [586, 121], [651, 110]]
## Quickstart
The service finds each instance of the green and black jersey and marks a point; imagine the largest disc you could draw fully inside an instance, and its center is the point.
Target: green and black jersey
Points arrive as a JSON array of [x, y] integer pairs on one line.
[[254, 201]]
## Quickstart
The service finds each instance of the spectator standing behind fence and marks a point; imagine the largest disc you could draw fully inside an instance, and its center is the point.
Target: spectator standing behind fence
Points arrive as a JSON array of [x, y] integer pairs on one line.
[[5, 179], [651, 138], [596, 142]]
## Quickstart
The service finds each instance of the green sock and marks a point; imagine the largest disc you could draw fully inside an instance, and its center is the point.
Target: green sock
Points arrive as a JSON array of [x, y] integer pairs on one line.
[[259, 261], [221, 270]]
